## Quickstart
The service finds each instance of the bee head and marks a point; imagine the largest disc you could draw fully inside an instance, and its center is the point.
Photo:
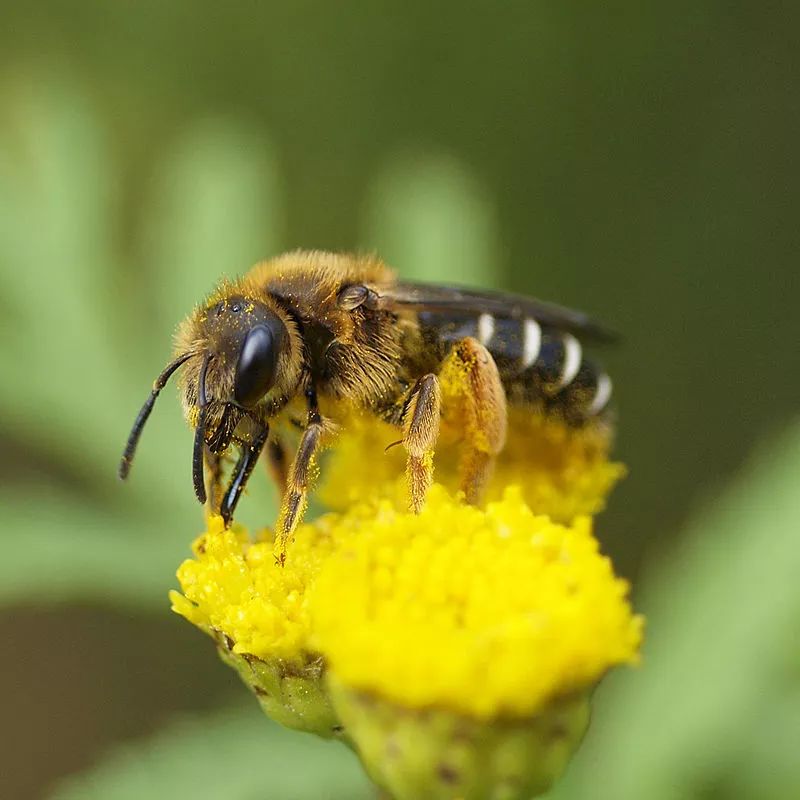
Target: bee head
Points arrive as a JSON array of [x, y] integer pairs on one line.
[[235, 351], [247, 344]]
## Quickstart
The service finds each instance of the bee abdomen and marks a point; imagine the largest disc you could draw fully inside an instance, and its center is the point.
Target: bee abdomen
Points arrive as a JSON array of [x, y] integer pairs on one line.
[[538, 365]]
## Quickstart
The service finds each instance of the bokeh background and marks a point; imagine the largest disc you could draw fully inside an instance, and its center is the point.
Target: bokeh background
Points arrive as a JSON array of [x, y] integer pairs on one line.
[[638, 161]]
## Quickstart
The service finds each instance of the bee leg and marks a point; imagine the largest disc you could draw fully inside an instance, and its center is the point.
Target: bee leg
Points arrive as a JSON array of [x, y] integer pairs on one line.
[[241, 474], [470, 380], [420, 431], [295, 499], [213, 462]]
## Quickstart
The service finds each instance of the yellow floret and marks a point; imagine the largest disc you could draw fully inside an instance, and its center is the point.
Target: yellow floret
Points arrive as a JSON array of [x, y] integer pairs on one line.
[[562, 471], [486, 613], [233, 587]]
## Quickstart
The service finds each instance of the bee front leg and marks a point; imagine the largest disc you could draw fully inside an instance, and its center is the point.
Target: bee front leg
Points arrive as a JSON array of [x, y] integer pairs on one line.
[[295, 498], [420, 432], [471, 382], [241, 474], [213, 463]]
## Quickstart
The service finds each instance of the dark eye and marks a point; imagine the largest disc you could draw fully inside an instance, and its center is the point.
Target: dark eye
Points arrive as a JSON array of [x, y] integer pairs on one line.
[[255, 370]]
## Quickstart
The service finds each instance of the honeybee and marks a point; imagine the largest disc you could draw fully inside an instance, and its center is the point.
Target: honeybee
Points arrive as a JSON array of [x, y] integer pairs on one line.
[[314, 326]]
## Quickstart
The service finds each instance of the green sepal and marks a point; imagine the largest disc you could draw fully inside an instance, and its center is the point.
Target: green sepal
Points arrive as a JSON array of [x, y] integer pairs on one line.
[[441, 755], [293, 693]]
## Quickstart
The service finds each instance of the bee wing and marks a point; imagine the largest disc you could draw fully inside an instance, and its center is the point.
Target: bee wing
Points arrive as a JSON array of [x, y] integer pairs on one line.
[[503, 305]]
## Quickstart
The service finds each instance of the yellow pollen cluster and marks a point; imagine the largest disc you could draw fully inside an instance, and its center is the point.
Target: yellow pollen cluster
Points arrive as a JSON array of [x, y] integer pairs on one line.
[[486, 613]]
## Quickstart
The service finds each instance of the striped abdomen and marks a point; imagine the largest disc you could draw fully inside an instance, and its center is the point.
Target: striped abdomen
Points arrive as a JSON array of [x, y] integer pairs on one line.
[[539, 365]]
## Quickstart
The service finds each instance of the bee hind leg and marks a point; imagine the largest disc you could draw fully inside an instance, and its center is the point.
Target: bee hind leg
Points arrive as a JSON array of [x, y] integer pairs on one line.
[[420, 432], [472, 389]]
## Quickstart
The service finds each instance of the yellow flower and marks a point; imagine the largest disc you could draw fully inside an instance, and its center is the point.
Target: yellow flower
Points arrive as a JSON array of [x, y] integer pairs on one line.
[[454, 650], [487, 613], [259, 617]]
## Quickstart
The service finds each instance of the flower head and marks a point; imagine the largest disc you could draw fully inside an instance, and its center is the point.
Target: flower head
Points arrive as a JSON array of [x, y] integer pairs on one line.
[[446, 639], [487, 613], [456, 649]]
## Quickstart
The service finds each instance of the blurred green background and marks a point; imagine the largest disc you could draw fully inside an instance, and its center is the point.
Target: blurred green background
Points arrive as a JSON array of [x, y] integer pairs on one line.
[[638, 161]]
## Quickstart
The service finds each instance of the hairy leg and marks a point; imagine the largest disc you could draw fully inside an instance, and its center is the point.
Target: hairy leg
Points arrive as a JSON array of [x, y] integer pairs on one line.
[[300, 473], [420, 431], [213, 462], [471, 388]]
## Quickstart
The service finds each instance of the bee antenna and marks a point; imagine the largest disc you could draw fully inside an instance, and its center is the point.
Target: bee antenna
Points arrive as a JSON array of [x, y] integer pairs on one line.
[[200, 434], [136, 431]]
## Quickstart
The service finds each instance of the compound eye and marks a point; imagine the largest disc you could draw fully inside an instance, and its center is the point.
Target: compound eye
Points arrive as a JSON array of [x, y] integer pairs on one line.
[[255, 370]]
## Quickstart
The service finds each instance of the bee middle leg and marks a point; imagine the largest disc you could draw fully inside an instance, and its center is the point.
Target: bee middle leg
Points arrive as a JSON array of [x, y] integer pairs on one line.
[[420, 432], [471, 383], [295, 498]]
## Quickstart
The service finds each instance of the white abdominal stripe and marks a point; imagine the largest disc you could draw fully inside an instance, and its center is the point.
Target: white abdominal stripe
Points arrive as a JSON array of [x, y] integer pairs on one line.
[[531, 342], [573, 355], [524, 346], [602, 395], [485, 330]]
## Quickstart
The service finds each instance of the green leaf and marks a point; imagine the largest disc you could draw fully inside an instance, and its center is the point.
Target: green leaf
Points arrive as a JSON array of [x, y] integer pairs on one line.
[[82, 315], [236, 755], [217, 209], [64, 549], [56, 194], [430, 218]]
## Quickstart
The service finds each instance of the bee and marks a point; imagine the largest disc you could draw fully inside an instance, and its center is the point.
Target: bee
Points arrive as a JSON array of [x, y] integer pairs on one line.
[[312, 326]]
